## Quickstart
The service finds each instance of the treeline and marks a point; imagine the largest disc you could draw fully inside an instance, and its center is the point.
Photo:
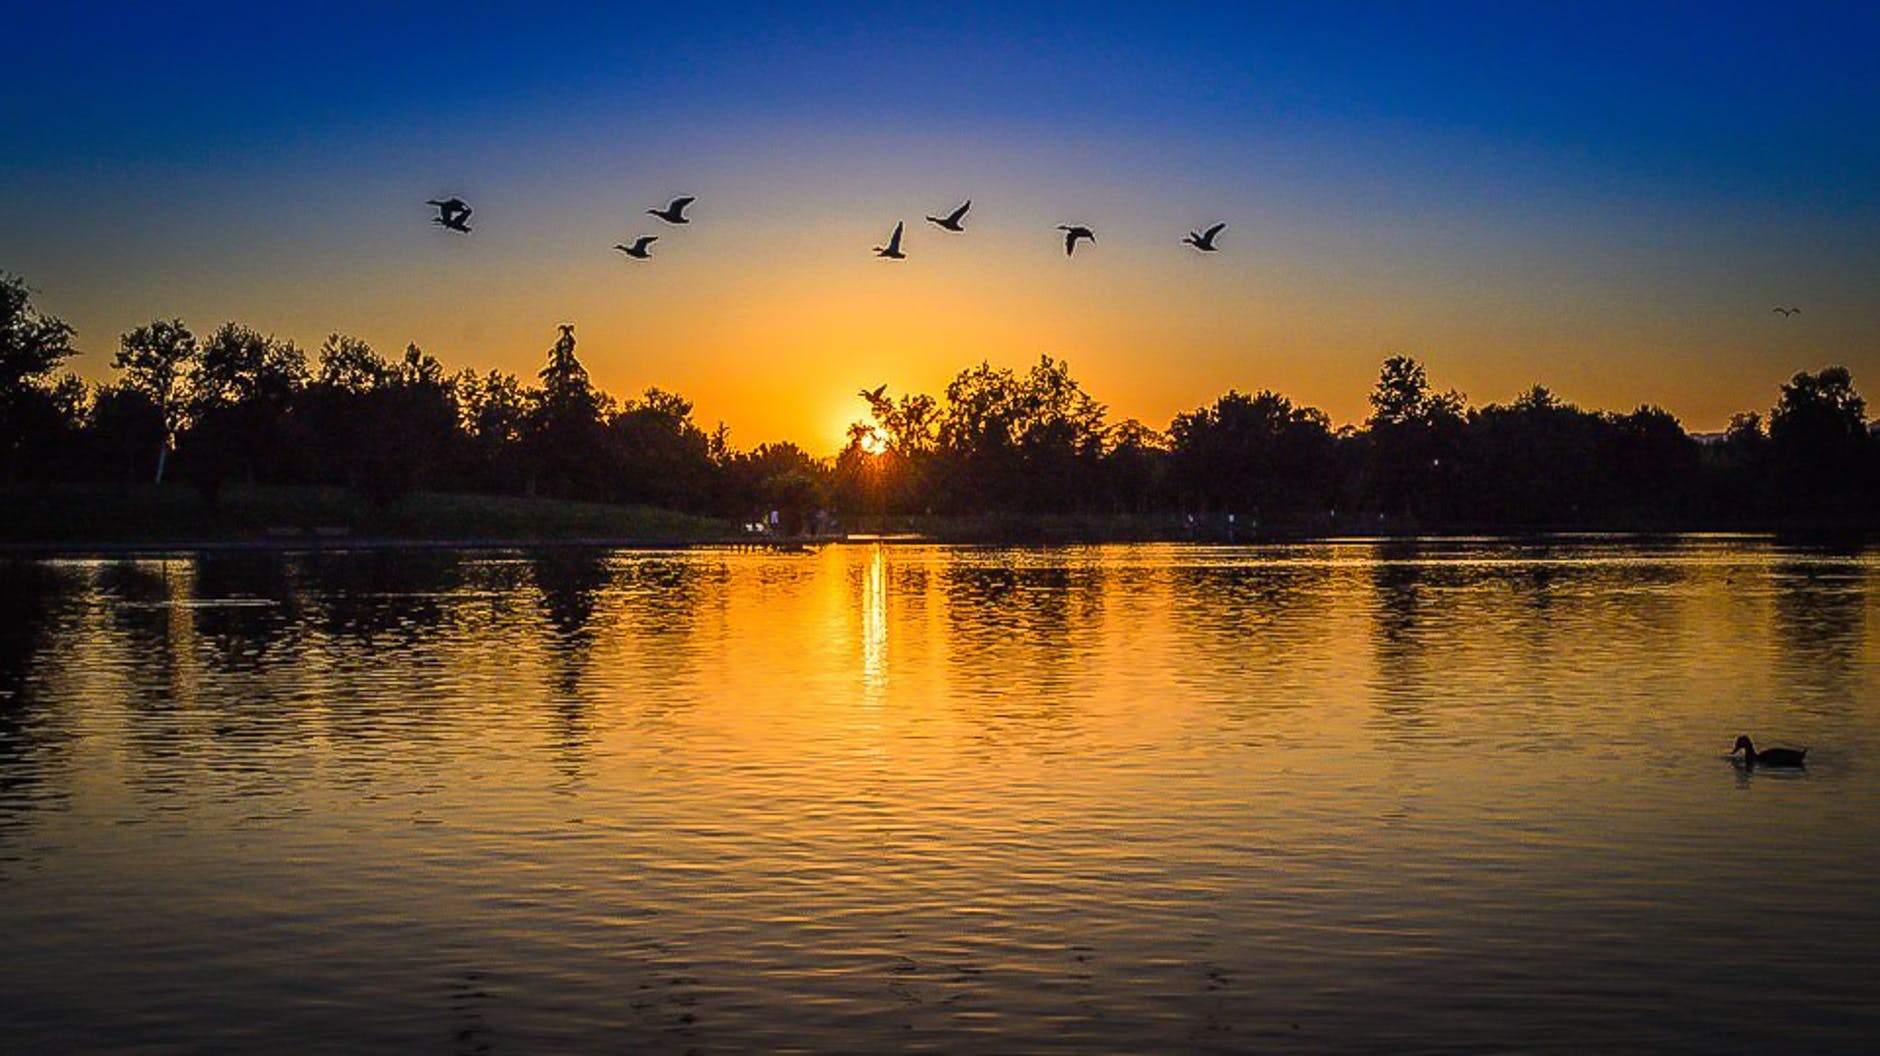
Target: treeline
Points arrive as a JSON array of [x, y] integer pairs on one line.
[[238, 406]]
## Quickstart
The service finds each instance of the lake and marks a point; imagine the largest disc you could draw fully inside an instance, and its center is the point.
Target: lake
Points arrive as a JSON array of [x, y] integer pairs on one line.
[[1439, 796]]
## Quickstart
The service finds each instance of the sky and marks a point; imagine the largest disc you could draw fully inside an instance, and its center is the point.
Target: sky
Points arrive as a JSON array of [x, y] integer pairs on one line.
[[1607, 199]]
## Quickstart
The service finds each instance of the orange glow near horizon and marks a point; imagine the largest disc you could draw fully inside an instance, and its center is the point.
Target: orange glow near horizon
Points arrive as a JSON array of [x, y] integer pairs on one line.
[[769, 312]]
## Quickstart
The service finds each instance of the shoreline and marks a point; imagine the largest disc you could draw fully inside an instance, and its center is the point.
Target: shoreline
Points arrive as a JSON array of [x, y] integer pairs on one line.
[[15, 549]]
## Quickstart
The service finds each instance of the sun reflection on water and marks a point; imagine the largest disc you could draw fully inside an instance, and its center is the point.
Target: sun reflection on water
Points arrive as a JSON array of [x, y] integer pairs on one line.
[[875, 623]]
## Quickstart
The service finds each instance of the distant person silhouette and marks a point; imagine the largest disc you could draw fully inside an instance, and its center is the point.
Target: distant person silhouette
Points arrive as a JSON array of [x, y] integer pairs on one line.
[[892, 250], [1204, 240], [1073, 232], [639, 249], [951, 221], [674, 213]]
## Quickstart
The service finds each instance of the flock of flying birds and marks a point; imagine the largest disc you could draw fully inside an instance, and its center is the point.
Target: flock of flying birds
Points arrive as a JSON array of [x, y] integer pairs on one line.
[[454, 213]]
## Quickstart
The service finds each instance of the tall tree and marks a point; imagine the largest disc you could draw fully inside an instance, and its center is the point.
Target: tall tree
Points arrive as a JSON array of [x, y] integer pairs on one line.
[[157, 359], [32, 348]]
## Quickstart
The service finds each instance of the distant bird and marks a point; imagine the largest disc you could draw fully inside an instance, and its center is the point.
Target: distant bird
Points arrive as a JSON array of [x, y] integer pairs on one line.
[[1204, 240], [1787, 757], [951, 221], [674, 213], [638, 250], [1788, 311], [1073, 232], [892, 250], [451, 213], [871, 395]]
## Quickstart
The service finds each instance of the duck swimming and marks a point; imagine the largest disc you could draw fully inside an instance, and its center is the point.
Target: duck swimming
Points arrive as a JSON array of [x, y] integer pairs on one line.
[[1772, 757]]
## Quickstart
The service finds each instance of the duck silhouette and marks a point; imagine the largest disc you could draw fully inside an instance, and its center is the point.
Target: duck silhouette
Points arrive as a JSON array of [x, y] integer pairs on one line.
[[674, 213], [892, 250], [1073, 232], [951, 221], [640, 249], [1788, 757], [451, 213], [1204, 240]]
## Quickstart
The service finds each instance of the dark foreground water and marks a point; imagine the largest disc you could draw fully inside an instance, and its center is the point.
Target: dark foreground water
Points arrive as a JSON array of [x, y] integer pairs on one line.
[[1463, 796]]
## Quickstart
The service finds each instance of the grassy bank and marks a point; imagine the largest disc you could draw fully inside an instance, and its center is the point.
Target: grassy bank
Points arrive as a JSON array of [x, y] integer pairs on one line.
[[109, 515]]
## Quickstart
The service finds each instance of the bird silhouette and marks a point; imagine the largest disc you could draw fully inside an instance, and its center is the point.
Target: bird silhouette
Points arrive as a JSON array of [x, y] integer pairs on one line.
[[1784, 757], [1788, 311], [871, 395], [451, 213], [639, 249], [1073, 232], [1204, 240], [951, 221], [674, 213], [892, 250]]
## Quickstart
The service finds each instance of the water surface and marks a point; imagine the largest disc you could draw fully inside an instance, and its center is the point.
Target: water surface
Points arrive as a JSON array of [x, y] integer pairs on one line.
[[1459, 796]]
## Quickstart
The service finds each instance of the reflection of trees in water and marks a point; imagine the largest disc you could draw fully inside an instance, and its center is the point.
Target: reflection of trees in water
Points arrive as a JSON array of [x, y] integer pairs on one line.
[[1021, 636], [1257, 629], [36, 601], [662, 601], [1821, 628], [143, 606], [1527, 635], [1401, 684], [246, 609], [569, 584], [382, 594]]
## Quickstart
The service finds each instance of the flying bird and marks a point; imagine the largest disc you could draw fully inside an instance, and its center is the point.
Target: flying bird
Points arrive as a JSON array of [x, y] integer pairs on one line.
[[1204, 240], [639, 249], [1788, 311], [892, 250], [674, 213], [1073, 232], [451, 213], [871, 395], [951, 221]]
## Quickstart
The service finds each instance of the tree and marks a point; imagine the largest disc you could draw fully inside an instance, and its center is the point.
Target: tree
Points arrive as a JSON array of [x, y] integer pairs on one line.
[[157, 359], [243, 390], [1258, 454], [1413, 438], [564, 437], [32, 348], [657, 454], [349, 365], [1819, 442]]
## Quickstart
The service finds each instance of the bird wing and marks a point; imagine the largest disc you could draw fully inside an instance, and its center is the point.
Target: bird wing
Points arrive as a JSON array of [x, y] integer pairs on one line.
[[894, 240], [954, 217], [678, 204], [1208, 235], [1070, 240], [647, 240]]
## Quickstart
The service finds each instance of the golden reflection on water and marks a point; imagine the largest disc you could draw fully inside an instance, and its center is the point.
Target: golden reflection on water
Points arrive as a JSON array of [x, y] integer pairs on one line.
[[875, 624], [883, 797]]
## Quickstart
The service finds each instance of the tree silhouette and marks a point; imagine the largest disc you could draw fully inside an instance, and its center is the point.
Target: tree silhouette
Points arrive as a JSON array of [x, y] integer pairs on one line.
[[564, 434], [1257, 455], [1820, 444], [157, 359], [32, 347]]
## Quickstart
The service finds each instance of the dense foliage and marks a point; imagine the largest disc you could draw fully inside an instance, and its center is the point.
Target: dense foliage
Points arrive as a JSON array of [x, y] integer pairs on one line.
[[242, 406]]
